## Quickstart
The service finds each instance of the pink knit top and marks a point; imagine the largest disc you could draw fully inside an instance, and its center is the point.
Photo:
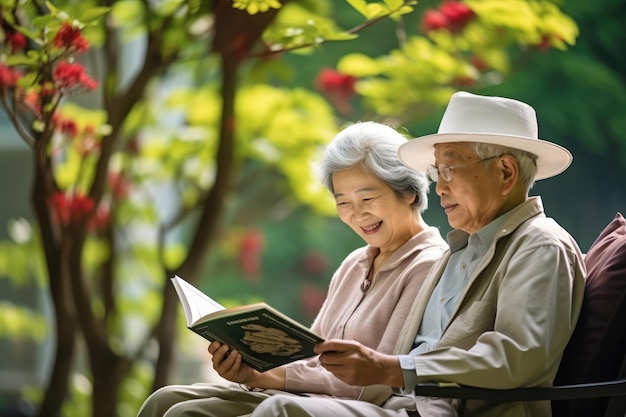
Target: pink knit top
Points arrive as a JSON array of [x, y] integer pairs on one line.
[[373, 318]]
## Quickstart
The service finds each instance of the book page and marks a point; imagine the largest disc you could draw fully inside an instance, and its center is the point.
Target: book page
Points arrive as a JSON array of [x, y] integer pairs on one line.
[[196, 304]]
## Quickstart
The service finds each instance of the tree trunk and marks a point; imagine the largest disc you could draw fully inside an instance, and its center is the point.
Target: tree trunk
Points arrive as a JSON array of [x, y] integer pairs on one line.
[[56, 392], [207, 225], [108, 373], [165, 335], [65, 329], [236, 32]]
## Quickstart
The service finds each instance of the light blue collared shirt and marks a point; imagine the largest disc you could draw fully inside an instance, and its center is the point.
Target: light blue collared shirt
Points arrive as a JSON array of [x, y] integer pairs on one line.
[[464, 258]]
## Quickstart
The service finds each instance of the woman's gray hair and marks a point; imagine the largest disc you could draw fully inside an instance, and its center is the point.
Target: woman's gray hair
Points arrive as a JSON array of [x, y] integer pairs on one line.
[[375, 147], [526, 161]]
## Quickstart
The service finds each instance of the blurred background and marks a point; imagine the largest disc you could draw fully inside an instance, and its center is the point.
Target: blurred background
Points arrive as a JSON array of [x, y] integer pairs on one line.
[[272, 235]]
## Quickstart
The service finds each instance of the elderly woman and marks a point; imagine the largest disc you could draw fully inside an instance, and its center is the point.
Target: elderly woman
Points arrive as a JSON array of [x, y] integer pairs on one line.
[[370, 294]]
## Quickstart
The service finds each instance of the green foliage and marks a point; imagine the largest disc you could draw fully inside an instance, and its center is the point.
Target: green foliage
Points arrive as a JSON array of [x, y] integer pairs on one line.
[[135, 388], [270, 137], [74, 167], [373, 10], [297, 26], [79, 404], [96, 253], [256, 6], [19, 323], [284, 277], [168, 142], [422, 74], [21, 257], [129, 16], [413, 77], [585, 103], [524, 22], [267, 117]]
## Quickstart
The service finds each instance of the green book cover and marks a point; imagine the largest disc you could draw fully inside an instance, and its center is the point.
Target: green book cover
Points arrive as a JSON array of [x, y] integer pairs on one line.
[[265, 337]]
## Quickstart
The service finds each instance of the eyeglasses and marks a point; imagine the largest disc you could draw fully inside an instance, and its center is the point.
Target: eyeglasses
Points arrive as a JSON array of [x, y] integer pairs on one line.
[[445, 171]]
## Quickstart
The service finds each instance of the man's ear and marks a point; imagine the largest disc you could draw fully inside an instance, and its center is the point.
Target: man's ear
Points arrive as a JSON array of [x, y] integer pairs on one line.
[[510, 172]]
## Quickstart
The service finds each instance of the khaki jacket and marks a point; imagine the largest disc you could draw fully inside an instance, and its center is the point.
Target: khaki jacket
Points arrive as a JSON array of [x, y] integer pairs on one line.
[[512, 322]]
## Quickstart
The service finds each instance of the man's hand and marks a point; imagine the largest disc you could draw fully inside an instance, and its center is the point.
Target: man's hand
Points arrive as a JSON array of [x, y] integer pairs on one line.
[[229, 365], [356, 364]]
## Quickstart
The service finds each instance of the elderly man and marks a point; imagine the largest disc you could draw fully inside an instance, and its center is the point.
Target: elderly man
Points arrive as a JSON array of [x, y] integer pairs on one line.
[[499, 307]]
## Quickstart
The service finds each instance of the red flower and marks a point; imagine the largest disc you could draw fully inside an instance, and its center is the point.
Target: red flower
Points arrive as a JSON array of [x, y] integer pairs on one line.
[[464, 81], [479, 63], [337, 87], [70, 37], [250, 251], [68, 75], [240, 44], [315, 262], [119, 184], [451, 15], [32, 100], [330, 80], [8, 76], [458, 15], [433, 20], [16, 40], [311, 299], [545, 43], [100, 219], [134, 146], [68, 127], [67, 208]]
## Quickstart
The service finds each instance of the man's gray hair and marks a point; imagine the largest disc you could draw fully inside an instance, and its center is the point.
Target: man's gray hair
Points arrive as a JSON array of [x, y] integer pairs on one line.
[[526, 161], [374, 146]]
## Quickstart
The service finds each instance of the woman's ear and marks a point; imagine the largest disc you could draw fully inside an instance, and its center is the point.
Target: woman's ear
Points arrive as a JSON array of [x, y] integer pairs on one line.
[[410, 198]]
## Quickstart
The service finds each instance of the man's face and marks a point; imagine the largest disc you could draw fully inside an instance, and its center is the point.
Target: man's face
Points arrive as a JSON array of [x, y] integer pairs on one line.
[[474, 195]]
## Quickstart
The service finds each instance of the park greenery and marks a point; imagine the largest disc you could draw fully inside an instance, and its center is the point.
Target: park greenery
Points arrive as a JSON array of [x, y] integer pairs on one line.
[[161, 132]]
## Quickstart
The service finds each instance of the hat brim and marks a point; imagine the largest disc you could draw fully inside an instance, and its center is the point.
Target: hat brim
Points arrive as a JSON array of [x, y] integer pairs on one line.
[[552, 159]]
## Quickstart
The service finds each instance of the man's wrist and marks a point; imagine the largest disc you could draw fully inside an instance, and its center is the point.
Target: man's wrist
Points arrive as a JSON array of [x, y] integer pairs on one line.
[[407, 364]]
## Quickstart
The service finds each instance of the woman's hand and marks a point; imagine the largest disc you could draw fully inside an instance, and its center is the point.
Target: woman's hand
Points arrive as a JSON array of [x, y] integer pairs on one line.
[[229, 365]]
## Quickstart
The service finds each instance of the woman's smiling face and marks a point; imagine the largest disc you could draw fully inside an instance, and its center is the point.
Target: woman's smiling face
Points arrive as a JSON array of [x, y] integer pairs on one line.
[[372, 209]]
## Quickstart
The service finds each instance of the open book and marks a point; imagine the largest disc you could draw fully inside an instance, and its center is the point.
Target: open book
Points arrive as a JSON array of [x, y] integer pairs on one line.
[[265, 337]]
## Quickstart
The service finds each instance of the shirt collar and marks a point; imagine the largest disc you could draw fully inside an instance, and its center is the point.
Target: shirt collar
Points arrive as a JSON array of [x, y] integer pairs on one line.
[[486, 235]]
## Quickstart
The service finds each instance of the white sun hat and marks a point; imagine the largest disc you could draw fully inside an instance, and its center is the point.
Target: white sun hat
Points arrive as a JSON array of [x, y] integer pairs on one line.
[[498, 120]]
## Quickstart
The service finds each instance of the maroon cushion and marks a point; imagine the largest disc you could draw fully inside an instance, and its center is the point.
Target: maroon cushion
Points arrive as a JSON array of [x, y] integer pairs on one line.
[[597, 347]]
